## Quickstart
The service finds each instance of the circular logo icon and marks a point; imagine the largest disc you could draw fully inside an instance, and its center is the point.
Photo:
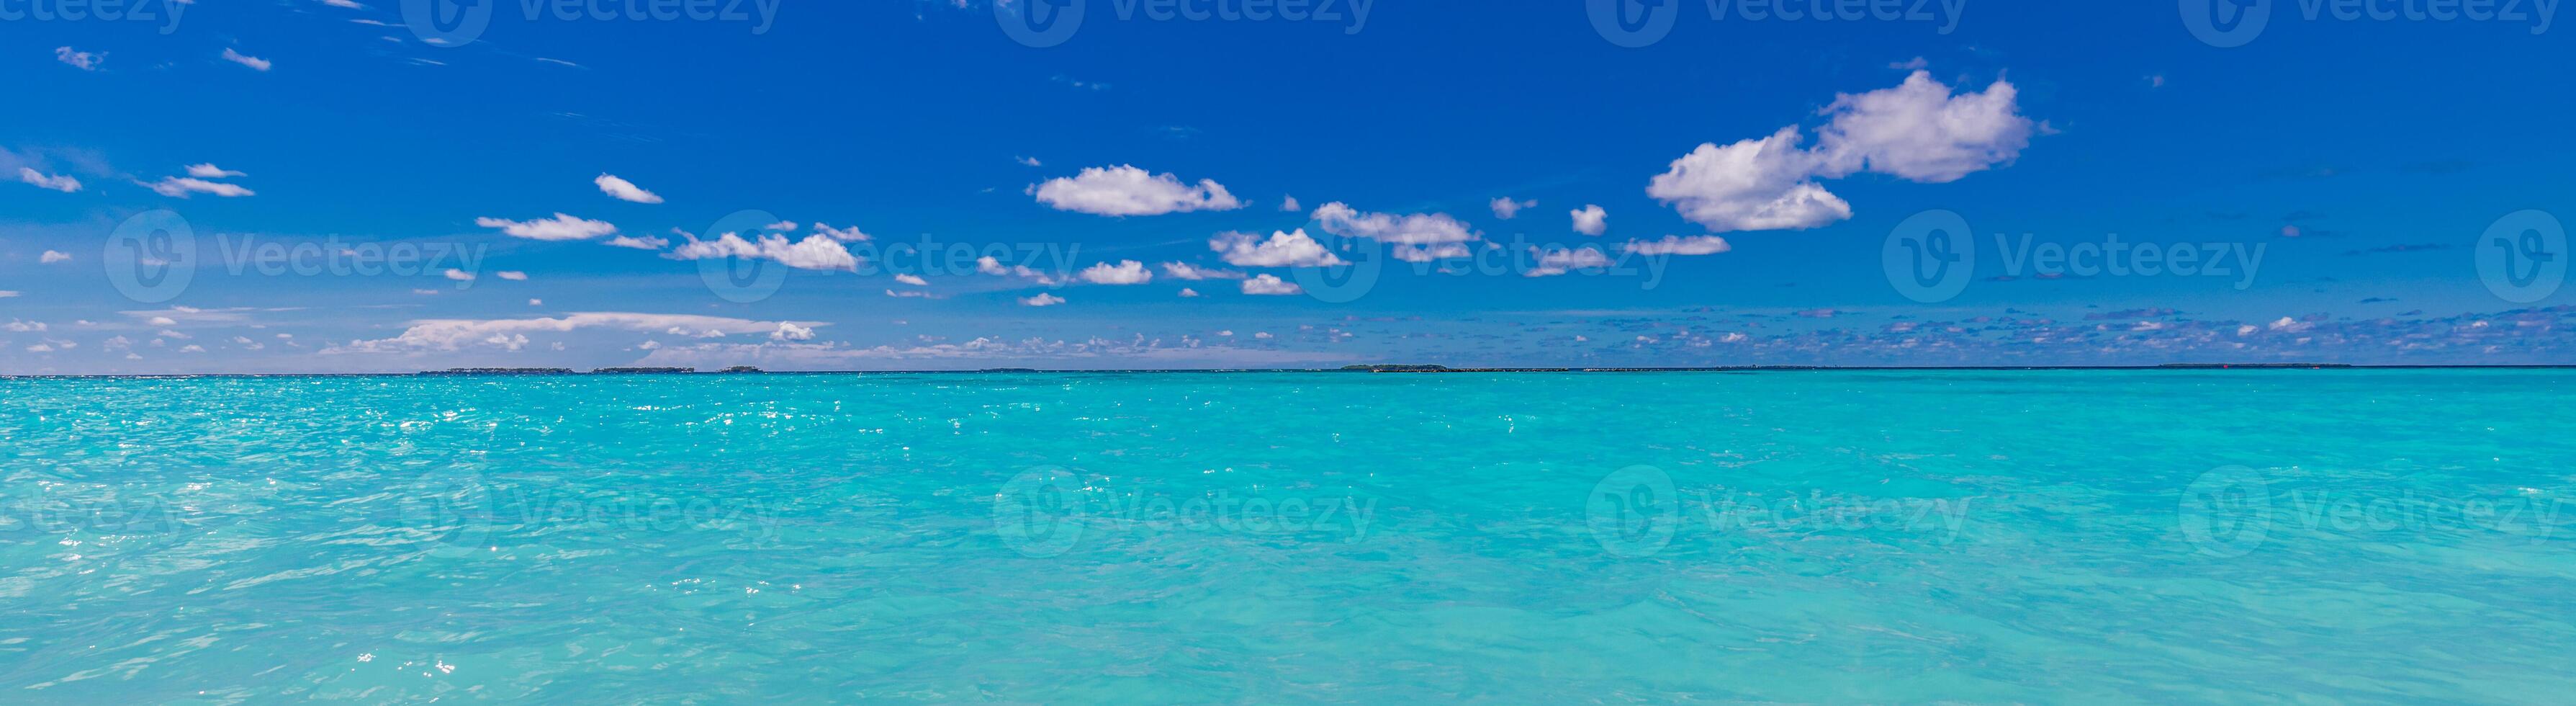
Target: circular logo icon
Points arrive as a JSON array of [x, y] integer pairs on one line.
[[2227, 512], [1038, 24], [1039, 512], [1930, 257], [1633, 23], [2226, 24], [736, 276], [448, 23], [151, 257], [2523, 256], [454, 511], [1633, 512], [1363, 262]]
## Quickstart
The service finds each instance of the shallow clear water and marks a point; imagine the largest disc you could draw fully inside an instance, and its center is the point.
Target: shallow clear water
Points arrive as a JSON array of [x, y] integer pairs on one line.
[[1292, 537]]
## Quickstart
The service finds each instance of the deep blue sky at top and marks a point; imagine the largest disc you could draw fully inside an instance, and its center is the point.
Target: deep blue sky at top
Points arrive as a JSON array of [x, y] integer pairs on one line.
[[908, 118]]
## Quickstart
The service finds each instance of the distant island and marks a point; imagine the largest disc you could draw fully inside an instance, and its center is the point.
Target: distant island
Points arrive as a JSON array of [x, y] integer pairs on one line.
[[501, 371], [2223, 366], [1429, 368]]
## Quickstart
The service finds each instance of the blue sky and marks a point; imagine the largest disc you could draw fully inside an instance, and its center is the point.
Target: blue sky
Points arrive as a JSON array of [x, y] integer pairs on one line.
[[2348, 169]]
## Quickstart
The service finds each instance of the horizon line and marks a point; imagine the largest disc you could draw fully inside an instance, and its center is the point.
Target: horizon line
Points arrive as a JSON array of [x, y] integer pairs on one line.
[[1362, 368]]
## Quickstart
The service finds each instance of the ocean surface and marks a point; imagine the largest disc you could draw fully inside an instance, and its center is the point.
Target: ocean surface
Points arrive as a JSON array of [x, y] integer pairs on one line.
[[2046, 536]]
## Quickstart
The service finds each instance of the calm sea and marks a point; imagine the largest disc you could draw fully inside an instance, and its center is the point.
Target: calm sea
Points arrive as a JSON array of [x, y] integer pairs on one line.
[[2049, 536]]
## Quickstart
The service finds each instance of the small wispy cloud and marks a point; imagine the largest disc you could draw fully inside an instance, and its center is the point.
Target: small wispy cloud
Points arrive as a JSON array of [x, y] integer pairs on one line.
[[255, 63]]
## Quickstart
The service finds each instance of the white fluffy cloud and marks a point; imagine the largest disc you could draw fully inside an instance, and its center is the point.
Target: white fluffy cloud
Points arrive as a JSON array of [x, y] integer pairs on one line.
[[1919, 131], [991, 266], [815, 252], [846, 235], [1760, 184], [789, 331], [1128, 191], [1557, 262], [41, 180], [1271, 285], [1282, 249], [561, 227], [1590, 220], [451, 334], [624, 190], [1505, 208], [210, 171], [82, 60], [912, 279], [1414, 228], [1042, 299], [1680, 245], [1125, 272], [53, 256]]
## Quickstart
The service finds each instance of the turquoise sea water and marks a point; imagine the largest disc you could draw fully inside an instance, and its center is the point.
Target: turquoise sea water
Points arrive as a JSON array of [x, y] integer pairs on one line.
[[1292, 537]]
